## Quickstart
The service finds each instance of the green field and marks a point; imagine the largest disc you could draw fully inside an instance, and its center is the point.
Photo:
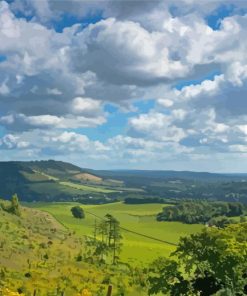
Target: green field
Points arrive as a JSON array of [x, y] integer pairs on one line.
[[139, 218], [87, 188]]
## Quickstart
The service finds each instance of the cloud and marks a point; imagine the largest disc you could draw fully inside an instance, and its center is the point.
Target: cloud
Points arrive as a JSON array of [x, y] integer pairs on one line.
[[54, 91], [224, 93], [156, 126], [43, 143], [113, 53], [10, 141], [4, 89], [207, 88], [86, 106], [54, 84], [38, 87], [149, 13], [21, 122]]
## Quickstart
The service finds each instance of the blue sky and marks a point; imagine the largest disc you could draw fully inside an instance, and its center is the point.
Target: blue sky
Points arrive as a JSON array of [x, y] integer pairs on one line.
[[125, 84]]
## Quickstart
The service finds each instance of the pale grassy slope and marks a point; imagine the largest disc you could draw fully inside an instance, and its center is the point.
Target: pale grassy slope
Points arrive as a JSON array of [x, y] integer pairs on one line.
[[86, 187]]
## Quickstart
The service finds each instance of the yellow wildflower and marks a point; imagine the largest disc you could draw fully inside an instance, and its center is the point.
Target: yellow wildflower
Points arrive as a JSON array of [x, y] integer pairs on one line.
[[7, 292], [85, 292]]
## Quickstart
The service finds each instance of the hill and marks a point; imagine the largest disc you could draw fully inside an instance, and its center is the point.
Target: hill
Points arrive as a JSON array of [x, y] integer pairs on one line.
[[51, 180], [169, 174], [38, 253], [60, 181], [177, 185]]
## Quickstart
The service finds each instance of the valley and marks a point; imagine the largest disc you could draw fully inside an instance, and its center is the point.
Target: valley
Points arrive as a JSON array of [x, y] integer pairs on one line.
[[131, 223], [136, 249], [61, 181]]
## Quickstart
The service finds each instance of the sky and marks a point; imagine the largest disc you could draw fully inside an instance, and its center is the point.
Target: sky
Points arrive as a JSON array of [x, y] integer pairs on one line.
[[122, 84]]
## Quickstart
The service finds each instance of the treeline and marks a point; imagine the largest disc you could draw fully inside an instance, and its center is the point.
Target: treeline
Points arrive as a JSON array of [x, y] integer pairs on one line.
[[146, 200], [200, 211], [190, 189], [95, 200]]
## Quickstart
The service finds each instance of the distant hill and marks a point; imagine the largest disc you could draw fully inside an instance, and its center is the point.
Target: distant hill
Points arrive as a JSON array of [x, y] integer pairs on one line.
[[60, 181], [169, 174], [49, 180]]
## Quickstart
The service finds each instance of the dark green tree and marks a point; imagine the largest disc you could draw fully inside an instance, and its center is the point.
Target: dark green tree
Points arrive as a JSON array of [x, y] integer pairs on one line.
[[213, 261], [166, 278], [78, 212]]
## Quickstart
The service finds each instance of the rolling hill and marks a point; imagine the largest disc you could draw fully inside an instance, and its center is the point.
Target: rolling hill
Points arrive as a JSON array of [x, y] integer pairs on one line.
[[50, 180], [60, 181]]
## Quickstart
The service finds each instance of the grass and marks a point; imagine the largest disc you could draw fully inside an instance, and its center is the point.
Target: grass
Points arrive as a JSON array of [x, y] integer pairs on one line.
[[87, 188], [139, 218], [37, 245], [52, 188], [49, 177]]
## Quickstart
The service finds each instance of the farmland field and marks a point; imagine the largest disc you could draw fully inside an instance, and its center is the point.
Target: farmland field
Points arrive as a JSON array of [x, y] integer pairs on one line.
[[87, 188], [138, 218]]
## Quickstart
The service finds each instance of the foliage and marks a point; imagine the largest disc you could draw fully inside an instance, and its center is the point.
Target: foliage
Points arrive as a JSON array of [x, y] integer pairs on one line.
[[13, 207], [209, 262], [200, 212], [114, 237], [7, 292], [78, 212], [165, 277], [106, 240], [220, 221], [85, 292]]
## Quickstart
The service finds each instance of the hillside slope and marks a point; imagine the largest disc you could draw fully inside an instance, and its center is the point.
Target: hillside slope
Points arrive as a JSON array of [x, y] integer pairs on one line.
[[39, 253], [50, 180]]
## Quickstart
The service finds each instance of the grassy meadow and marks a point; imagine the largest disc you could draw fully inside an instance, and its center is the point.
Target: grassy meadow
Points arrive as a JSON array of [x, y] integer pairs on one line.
[[139, 218]]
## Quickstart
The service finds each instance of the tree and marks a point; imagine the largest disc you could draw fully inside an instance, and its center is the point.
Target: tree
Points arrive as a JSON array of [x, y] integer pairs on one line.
[[102, 246], [14, 207], [165, 277], [99, 242], [114, 237], [106, 240], [78, 212], [213, 261], [220, 221]]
